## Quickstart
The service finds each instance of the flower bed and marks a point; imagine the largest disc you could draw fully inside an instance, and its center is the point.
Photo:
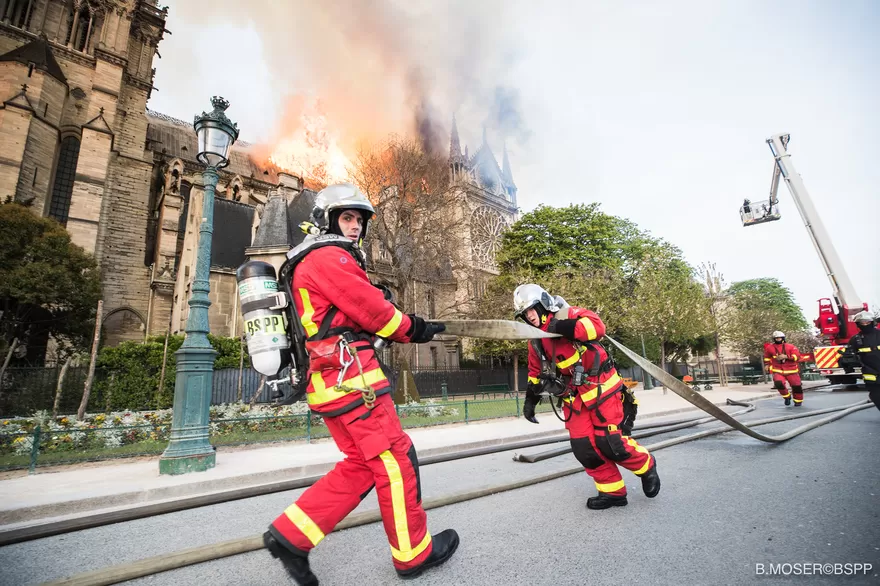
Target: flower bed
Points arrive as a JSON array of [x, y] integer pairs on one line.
[[135, 433]]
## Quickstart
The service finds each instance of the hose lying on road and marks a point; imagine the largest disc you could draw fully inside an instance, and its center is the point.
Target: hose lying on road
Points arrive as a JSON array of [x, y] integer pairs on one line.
[[100, 519], [694, 398], [205, 553], [636, 434], [715, 430]]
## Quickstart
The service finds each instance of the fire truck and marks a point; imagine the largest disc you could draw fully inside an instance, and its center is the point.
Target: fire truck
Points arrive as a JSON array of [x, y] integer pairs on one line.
[[835, 321]]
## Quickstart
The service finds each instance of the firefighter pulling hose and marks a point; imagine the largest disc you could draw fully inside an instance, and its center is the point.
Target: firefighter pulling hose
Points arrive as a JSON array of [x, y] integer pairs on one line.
[[599, 411], [335, 316]]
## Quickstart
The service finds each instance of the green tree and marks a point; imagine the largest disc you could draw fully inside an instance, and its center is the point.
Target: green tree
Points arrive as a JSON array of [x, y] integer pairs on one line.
[[598, 261], [48, 285], [668, 304], [754, 309], [548, 239]]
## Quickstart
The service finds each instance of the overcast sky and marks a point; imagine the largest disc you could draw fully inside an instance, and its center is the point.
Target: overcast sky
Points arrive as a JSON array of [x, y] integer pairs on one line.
[[657, 110]]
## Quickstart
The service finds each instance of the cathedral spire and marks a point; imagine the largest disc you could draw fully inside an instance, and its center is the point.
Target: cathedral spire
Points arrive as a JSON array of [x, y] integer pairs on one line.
[[454, 144], [506, 173]]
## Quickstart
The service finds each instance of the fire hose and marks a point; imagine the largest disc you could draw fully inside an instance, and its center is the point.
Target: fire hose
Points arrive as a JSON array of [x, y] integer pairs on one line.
[[145, 567], [694, 398], [206, 553]]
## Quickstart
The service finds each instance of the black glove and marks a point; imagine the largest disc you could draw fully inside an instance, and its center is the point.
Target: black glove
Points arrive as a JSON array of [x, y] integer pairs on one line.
[[421, 332], [533, 398], [563, 327]]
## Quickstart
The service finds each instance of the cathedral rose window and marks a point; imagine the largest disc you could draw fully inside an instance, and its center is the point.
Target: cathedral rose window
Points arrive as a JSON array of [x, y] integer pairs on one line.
[[487, 227]]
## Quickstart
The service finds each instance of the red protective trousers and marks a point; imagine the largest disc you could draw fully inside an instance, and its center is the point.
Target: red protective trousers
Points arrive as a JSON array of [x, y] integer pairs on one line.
[[377, 452], [794, 380], [601, 447]]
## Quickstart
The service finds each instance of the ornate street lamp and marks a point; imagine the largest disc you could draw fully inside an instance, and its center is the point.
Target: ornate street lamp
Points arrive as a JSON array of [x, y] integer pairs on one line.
[[190, 448]]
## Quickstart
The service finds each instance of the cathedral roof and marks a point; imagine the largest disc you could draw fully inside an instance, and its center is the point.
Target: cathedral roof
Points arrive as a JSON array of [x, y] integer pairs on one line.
[[176, 138], [233, 222], [38, 53], [299, 210]]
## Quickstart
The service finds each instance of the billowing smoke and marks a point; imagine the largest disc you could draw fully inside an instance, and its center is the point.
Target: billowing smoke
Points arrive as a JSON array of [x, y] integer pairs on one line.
[[384, 66]]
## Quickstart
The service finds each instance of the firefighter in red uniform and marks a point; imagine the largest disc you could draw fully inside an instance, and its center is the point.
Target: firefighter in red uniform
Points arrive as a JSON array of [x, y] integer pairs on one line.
[[866, 346], [339, 309], [577, 369], [781, 360]]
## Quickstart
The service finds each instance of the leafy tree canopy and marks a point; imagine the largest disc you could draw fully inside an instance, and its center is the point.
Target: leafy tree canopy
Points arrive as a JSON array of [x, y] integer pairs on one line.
[[48, 285]]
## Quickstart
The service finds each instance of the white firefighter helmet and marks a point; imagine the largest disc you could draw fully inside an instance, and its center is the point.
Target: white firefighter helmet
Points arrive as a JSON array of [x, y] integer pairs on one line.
[[778, 334], [529, 295], [335, 198], [864, 316]]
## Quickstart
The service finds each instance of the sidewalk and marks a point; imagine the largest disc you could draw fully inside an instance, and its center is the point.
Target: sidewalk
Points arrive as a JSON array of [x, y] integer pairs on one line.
[[81, 488]]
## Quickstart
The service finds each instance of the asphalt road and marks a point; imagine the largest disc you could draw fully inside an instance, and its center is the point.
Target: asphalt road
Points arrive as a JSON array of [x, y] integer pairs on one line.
[[728, 503]]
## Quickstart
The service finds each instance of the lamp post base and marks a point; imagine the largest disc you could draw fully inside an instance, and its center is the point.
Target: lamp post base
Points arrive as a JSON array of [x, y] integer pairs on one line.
[[189, 448], [184, 464]]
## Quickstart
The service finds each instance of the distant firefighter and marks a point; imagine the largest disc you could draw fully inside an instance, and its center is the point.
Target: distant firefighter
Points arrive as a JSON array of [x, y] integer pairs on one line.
[[781, 359]]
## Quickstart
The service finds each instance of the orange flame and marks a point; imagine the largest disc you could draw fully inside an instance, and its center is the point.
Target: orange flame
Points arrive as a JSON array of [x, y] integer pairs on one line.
[[309, 144]]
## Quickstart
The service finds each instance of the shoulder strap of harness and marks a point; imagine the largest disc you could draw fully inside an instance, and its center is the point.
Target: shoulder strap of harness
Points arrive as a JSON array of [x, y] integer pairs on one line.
[[546, 365], [296, 332]]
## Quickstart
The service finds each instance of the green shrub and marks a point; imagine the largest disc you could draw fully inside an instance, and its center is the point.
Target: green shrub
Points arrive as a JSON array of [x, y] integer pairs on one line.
[[131, 371]]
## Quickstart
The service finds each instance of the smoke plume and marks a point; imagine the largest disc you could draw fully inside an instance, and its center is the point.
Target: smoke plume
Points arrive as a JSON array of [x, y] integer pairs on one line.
[[384, 66]]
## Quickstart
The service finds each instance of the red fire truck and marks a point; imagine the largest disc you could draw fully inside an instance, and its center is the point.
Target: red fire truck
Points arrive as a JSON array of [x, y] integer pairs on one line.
[[835, 321]]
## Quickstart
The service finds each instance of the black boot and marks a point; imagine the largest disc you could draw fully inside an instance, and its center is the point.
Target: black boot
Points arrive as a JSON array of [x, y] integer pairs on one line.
[[296, 564], [798, 403], [788, 400], [443, 545], [605, 501], [651, 481]]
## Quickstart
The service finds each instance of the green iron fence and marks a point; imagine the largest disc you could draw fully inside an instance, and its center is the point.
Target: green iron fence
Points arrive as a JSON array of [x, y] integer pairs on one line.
[[62, 442]]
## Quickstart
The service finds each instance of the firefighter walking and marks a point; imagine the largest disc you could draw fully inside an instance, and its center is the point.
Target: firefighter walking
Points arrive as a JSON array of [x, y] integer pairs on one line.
[[866, 346], [781, 359], [339, 310], [577, 370]]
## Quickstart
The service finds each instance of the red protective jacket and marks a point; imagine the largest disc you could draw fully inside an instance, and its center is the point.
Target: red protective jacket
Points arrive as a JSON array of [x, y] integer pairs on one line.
[[787, 366], [566, 354], [331, 277]]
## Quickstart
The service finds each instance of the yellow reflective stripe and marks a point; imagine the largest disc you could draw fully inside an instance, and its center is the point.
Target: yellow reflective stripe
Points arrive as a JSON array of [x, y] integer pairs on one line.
[[798, 400], [308, 312], [644, 468], [606, 386], [304, 524], [534, 379], [870, 376], [323, 394], [398, 501], [571, 360], [392, 325], [611, 486], [864, 349], [794, 357], [635, 445], [408, 556], [591, 329], [780, 371], [786, 396]]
